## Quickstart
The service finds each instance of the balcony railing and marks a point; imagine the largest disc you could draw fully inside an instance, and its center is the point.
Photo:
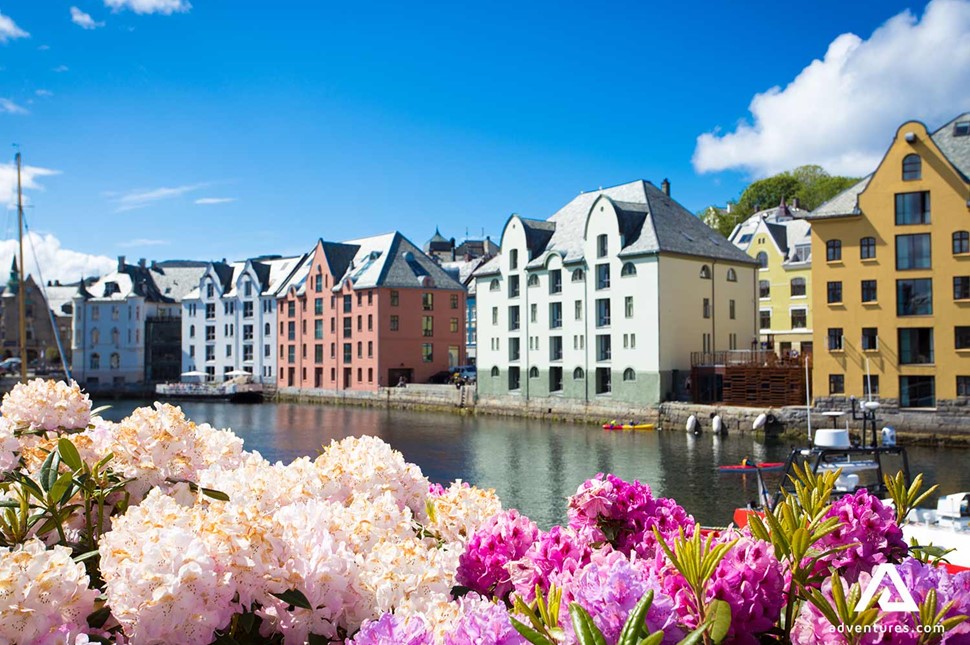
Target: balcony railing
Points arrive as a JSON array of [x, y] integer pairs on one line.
[[746, 358]]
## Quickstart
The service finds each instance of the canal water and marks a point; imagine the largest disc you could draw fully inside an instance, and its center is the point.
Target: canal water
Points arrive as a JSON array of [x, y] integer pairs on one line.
[[534, 465]]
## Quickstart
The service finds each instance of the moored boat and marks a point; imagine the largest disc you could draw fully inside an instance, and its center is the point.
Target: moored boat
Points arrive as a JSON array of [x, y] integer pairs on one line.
[[628, 426], [764, 466]]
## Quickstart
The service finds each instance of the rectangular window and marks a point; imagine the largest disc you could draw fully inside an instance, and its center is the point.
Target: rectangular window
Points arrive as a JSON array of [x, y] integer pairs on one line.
[[248, 309], [916, 346], [318, 329], [912, 208], [318, 353], [453, 325], [870, 339], [555, 281], [604, 380], [917, 392], [210, 352], [247, 332], [427, 301], [867, 248], [869, 291], [370, 349], [348, 303], [348, 352], [555, 348], [870, 385], [533, 312], [210, 332], [555, 315], [961, 287], [836, 383], [963, 386], [799, 318], [514, 259], [291, 353], [514, 322], [395, 323], [514, 350], [797, 287], [427, 326], [764, 319], [494, 315], [395, 298], [835, 339], [514, 378], [603, 312], [578, 307], [555, 379], [602, 276], [602, 246], [453, 300], [628, 306], [210, 311], [318, 306], [914, 297], [348, 328], [247, 352], [706, 308], [731, 309], [604, 347], [834, 292], [764, 289], [961, 337], [913, 251], [360, 301], [291, 308]]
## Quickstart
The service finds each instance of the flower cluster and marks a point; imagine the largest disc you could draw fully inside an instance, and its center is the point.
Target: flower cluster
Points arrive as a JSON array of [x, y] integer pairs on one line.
[[503, 539], [47, 405], [869, 526]]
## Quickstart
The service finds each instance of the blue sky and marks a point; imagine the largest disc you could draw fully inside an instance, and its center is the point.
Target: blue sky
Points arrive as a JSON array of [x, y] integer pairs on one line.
[[340, 121]]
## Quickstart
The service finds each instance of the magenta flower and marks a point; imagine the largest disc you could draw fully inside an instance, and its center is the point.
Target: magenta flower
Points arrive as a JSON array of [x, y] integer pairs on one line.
[[391, 629], [870, 526], [504, 538], [560, 550], [482, 621]]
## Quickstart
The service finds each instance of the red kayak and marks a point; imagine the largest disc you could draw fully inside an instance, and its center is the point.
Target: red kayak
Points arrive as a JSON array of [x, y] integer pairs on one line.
[[763, 466]]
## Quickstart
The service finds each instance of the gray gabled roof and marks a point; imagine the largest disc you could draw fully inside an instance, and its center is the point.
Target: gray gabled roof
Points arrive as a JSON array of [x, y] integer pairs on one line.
[[339, 256], [956, 149], [843, 204]]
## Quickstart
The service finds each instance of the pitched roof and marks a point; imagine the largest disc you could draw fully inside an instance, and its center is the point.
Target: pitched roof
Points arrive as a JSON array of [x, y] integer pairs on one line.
[[392, 260], [955, 148], [845, 203]]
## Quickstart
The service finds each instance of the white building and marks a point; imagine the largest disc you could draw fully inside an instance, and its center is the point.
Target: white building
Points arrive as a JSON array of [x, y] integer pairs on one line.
[[126, 329], [229, 318], [608, 298]]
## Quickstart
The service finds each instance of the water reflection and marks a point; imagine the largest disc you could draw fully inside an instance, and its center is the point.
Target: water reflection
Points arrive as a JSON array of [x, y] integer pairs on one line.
[[534, 465]]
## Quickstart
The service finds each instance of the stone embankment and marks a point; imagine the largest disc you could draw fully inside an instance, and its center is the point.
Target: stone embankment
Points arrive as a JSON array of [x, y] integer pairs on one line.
[[931, 427]]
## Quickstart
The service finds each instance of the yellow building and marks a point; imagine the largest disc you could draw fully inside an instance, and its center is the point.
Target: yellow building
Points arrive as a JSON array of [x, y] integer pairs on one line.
[[780, 240], [891, 279]]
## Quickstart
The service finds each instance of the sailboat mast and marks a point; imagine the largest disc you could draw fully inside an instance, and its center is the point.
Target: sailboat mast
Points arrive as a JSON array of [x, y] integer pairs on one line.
[[20, 277]]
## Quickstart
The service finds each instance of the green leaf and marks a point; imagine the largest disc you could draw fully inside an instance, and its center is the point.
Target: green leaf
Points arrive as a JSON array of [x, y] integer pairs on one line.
[[635, 621], [86, 556], [9, 503], [295, 598], [529, 634], [99, 617], [69, 454], [48, 470], [62, 489], [653, 639], [318, 639], [719, 618], [587, 633], [695, 637], [215, 494], [246, 621]]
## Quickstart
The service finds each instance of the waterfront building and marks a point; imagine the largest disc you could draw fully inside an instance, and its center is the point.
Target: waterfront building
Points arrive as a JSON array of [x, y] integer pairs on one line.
[[127, 331], [608, 299], [43, 306], [892, 276], [229, 318], [368, 313], [447, 250], [463, 270], [780, 240]]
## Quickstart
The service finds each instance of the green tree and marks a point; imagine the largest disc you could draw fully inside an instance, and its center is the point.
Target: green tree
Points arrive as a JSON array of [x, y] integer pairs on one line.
[[766, 193]]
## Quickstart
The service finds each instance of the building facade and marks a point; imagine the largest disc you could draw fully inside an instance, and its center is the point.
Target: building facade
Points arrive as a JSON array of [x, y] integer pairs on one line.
[[127, 324], [229, 319], [609, 298], [892, 276], [42, 306], [368, 313], [780, 241]]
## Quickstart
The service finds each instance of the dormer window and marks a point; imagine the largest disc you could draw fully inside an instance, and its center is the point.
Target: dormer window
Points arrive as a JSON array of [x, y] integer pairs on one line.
[[961, 129], [912, 167], [209, 290]]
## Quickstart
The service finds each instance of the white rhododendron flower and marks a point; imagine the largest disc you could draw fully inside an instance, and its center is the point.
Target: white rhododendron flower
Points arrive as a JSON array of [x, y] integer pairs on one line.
[[47, 405], [43, 593], [9, 447], [461, 510]]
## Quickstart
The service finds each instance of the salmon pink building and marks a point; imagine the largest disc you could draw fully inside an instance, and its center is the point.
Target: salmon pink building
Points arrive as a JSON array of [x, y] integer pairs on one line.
[[368, 313]]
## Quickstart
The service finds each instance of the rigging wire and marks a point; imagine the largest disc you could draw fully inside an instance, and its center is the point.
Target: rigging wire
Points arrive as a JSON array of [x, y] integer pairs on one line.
[[43, 288]]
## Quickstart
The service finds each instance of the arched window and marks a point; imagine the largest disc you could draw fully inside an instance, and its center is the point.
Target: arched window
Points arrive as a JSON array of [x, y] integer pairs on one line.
[[961, 242], [629, 374], [706, 272], [115, 361], [833, 250], [912, 167], [867, 248], [764, 289], [533, 280], [732, 275], [495, 371], [797, 287], [95, 361], [115, 336], [267, 329], [628, 269], [191, 331], [762, 259], [578, 373], [95, 337], [578, 275], [494, 285], [533, 372]]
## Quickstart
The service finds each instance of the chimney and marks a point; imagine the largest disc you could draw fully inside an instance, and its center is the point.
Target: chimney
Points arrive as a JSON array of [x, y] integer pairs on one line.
[[154, 264], [141, 262], [665, 186], [121, 263]]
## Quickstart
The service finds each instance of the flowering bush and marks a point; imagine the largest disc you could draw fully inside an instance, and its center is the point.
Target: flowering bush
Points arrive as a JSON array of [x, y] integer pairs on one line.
[[159, 530]]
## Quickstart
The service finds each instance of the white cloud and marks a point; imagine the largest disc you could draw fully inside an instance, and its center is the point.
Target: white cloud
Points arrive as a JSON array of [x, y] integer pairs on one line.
[[840, 112], [60, 69], [44, 48], [203, 201], [43, 93], [84, 20], [9, 107], [146, 197], [9, 30], [28, 177], [165, 7], [142, 241], [56, 262]]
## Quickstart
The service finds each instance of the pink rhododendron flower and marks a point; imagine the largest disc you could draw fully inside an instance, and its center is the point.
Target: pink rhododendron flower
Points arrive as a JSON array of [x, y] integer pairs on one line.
[[504, 538], [560, 550], [868, 524], [482, 621], [391, 629]]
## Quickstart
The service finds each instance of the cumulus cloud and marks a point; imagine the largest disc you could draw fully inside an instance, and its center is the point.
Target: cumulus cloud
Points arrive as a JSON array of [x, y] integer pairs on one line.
[[142, 241], [840, 111], [146, 197], [54, 261], [165, 7], [204, 201], [28, 178], [84, 20], [9, 107], [9, 30]]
